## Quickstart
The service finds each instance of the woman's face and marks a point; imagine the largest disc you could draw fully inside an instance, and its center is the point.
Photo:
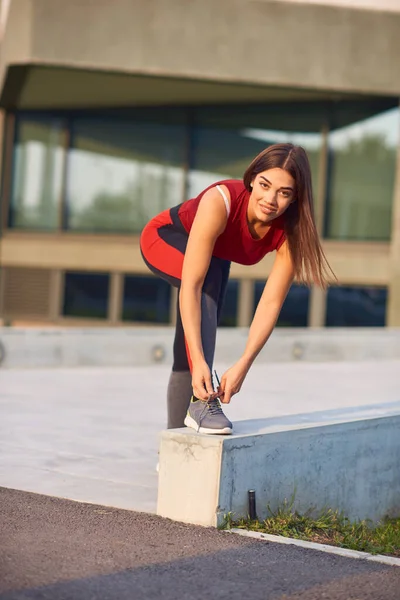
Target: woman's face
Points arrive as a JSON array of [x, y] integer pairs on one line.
[[272, 192]]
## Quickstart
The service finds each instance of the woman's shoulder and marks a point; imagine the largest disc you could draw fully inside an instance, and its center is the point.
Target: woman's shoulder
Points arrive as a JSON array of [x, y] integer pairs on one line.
[[235, 186]]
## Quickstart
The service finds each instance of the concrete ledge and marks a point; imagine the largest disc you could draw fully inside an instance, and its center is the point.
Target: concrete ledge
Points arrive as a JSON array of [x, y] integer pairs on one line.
[[351, 466], [129, 346]]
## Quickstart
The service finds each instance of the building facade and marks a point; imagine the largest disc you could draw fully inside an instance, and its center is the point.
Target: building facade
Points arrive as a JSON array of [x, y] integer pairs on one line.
[[114, 111]]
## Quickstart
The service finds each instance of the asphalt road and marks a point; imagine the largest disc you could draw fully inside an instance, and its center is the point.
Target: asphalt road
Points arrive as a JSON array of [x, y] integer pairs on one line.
[[54, 549]]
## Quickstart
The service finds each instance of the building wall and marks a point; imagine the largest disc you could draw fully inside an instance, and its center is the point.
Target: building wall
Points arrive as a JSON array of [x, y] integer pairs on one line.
[[249, 52], [267, 43]]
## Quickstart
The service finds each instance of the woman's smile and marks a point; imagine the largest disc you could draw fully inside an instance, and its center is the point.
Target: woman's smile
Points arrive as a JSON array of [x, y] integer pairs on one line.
[[272, 192], [267, 210]]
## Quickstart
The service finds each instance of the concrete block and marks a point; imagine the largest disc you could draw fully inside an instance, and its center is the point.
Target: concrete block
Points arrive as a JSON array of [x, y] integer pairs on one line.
[[351, 466]]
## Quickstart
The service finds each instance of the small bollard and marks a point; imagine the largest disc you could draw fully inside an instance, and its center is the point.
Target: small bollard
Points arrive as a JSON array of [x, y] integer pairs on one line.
[[252, 505]]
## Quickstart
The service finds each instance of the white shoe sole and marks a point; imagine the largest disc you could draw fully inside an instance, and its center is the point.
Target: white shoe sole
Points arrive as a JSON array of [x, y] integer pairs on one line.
[[190, 422]]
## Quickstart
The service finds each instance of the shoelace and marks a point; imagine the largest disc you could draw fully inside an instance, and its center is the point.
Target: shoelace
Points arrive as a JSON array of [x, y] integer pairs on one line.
[[213, 406]]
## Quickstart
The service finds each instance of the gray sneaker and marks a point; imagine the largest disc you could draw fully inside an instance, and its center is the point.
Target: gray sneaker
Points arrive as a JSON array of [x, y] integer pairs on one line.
[[207, 417]]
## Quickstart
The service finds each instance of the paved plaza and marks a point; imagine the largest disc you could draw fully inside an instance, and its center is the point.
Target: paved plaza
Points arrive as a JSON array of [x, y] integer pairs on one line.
[[92, 434]]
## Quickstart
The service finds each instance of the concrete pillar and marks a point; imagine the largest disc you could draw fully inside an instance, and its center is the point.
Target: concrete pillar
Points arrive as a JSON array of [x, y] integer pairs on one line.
[[2, 291], [56, 295], [317, 306], [7, 129], [174, 300], [393, 308], [320, 192], [245, 302], [3, 216], [115, 298]]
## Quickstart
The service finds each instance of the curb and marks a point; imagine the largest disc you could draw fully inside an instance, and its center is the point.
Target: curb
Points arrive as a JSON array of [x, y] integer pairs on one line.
[[380, 558]]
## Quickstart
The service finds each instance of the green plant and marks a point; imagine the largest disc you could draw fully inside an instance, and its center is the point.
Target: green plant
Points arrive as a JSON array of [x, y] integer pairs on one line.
[[326, 527]]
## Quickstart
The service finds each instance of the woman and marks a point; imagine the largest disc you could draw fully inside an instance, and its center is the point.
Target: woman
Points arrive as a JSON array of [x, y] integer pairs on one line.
[[192, 245]]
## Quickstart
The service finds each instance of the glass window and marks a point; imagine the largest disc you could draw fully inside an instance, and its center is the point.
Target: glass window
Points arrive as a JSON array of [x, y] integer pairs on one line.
[[223, 147], [122, 173], [356, 307], [230, 306], [86, 295], [294, 311], [38, 164], [146, 299], [362, 165]]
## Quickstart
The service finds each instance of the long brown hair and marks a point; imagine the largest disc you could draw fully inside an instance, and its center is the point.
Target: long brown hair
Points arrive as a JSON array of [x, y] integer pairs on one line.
[[309, 261]]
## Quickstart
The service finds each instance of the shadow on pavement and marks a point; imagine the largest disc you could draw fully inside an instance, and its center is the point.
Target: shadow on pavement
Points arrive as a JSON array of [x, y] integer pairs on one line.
[[53, 549]]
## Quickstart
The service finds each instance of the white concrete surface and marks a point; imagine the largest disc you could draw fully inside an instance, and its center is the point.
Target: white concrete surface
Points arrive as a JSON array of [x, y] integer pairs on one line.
[[134, 347], [350, 466], [92, 434]]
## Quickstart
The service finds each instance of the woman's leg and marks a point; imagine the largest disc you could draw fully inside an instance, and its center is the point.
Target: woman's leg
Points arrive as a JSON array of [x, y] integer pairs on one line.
[[208, 417], [180, 382], [163, 245], [163, 251]]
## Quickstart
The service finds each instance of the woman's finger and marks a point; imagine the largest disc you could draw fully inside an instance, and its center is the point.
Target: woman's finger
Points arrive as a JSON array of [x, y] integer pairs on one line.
[[208, 385], [201, 393], [226, 398]]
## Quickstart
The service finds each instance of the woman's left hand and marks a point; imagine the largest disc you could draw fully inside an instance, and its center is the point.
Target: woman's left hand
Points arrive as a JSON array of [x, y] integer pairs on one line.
[[231, 381]]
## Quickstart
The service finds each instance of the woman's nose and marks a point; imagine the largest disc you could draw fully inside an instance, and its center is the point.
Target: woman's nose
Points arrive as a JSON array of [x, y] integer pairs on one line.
[[271, 197]]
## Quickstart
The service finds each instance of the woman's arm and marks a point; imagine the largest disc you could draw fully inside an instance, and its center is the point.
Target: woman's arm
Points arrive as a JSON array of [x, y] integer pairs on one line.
[[209, 223], [270, 304], [265, 317]]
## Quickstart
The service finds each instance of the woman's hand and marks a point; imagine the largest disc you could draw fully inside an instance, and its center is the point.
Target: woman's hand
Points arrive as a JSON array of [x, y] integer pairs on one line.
[[232, 380], [201, 381]]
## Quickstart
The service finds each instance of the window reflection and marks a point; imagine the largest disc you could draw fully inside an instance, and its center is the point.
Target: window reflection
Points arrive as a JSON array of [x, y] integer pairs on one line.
[[86, 295], [224, 153], [294, 311], [362, 172], [122, 173], [124, 169], [146, 299], [37, 174], [356, 307], [230, 306]]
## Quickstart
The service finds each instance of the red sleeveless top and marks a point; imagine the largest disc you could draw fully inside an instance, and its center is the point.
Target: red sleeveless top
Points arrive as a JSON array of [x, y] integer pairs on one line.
[[236, 243]]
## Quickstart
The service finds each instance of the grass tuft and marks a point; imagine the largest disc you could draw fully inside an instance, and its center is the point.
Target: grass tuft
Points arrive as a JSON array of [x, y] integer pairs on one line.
[[328, 527]]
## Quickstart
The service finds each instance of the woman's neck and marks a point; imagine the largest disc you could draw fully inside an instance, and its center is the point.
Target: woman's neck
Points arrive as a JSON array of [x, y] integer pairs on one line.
[[258, 229]]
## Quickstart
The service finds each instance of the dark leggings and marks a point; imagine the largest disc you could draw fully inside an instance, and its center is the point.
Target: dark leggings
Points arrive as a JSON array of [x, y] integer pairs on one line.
[[163, 245]]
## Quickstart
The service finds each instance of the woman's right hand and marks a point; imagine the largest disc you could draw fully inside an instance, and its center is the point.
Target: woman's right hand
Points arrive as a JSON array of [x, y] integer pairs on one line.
[[201, 381]]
